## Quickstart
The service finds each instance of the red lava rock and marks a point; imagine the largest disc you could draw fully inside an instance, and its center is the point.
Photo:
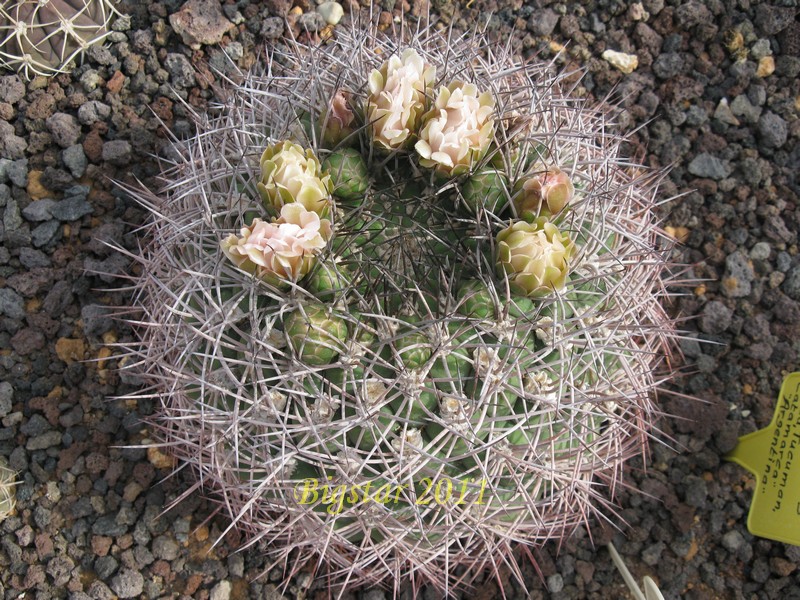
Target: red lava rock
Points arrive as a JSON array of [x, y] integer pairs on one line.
[[278, 8], [707, 187], [162, 107], [196, 100], [113, 472], [585, 570], [27, 340], [715, 220], [101, 544], [93, 146], [43, 322], [781, 566], [700, 419], [32, 282], [384, 20], [48, 407], [352, 6], [125, 541], [682, 517], [192, 584], [160, 568], [144, 473], [6, 111], [24, 535], [83, 485], [35, 576], [96, 463], [486, 591], [44, 545], [75, 584], [42, 107], [116, 82], [68, 456], [200, 22]]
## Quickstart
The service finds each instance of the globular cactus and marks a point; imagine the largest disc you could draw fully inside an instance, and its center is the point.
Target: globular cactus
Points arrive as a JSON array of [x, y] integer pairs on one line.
[[41, 37], [446, 350], [8, 498]]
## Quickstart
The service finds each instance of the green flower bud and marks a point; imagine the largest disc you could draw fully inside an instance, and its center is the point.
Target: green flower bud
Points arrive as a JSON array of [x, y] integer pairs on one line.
[[414, 349], [521, 307], [534, 256], [291, 173], [476, 301], [487, 188], [348, 171], [327, 281], [315, 336]]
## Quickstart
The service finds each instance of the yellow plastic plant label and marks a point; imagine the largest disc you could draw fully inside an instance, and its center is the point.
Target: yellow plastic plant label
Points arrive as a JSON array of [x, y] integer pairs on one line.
[[773, 456]]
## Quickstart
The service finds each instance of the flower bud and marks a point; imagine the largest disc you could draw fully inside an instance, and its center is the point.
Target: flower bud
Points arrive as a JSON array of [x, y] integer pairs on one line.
[[486, 188], [291, 173], [337, 121], [534, 256], [476, 301], [348, 173], [315, 336], [328, 281], [544, 193]]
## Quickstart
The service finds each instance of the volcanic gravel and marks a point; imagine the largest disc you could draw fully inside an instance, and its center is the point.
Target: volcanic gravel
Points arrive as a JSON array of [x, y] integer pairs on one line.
[[715, 95]]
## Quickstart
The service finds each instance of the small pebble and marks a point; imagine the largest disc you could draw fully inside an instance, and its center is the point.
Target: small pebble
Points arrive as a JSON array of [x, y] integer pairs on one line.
[[332, 12], [625, 63]]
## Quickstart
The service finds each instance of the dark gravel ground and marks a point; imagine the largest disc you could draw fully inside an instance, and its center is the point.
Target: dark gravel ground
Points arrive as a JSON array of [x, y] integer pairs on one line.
[[716, 94]]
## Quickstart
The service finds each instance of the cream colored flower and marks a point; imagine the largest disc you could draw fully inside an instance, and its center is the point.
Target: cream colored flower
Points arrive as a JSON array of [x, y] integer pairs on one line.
[[281, 251], [535, 257], [291, 173], [458, 130], [545, 192], [397, 98]]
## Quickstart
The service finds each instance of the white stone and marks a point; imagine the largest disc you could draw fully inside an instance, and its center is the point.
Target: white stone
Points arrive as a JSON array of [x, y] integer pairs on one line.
[[623, 62], [638, 13], [332, 12]]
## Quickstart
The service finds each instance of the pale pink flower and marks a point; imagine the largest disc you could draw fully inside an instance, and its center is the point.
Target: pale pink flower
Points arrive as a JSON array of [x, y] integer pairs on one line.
[[457, 131], [284, 250], [397, 98]]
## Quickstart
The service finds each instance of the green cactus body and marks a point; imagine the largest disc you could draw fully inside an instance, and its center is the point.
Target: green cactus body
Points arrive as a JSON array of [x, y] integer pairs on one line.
[[415, 406], [476, 300], [413, 346]]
